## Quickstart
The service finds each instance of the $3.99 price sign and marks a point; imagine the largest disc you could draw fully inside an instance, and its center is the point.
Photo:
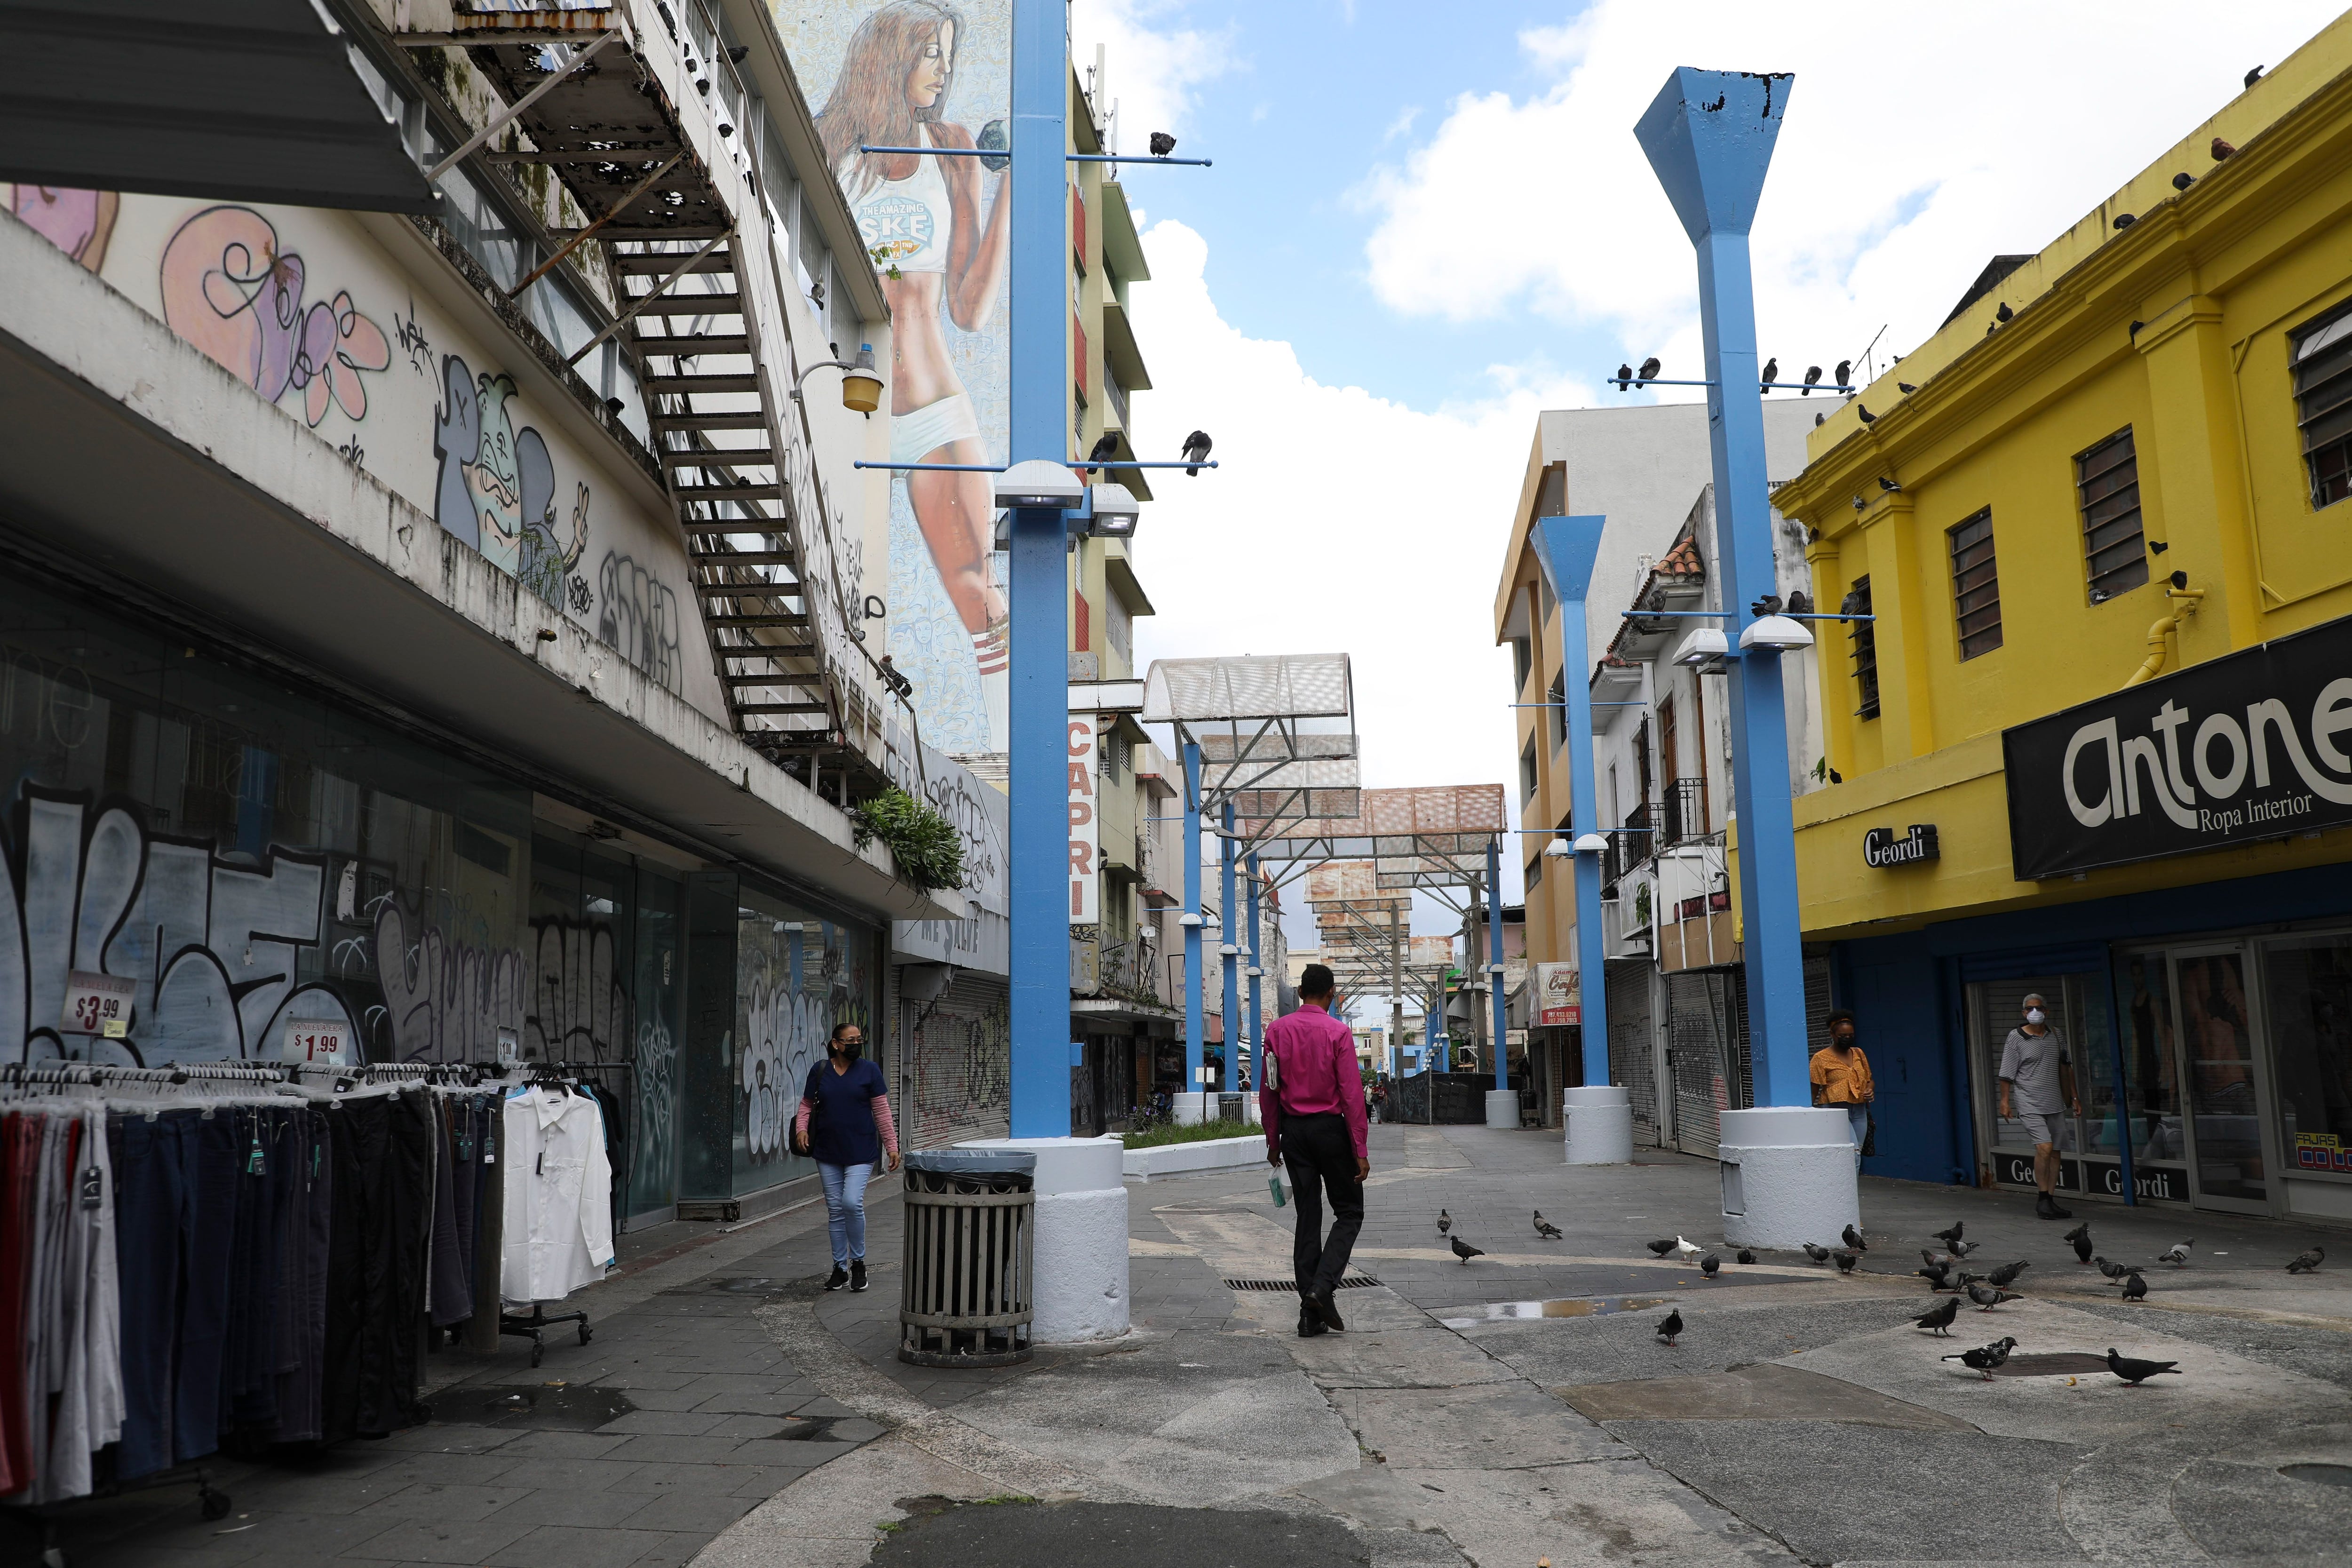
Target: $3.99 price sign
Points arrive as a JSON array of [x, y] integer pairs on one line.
[[97, 1005], [308, 1040]]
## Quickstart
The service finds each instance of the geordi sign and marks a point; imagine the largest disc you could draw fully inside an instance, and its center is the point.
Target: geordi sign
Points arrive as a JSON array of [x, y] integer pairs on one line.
[[2246, 747]]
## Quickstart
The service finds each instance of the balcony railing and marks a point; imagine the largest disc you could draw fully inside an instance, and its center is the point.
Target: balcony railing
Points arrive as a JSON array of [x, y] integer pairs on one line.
[[1683, 812], [1127, 971]]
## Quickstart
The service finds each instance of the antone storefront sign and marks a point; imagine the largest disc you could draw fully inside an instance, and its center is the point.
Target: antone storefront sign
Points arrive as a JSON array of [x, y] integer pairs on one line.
[[2247, 747]]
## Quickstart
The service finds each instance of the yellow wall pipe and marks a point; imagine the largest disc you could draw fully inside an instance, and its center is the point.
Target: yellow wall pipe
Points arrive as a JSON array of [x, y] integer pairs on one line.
[[2153, 666]]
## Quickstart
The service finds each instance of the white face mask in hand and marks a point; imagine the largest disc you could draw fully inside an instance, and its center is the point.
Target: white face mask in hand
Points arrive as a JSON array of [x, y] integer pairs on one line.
[[2035, 1016]]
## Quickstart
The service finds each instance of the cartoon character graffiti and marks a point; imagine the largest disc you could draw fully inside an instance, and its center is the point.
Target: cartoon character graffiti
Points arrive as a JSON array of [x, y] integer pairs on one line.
[[232, 290], [79, 223], [495, 489]]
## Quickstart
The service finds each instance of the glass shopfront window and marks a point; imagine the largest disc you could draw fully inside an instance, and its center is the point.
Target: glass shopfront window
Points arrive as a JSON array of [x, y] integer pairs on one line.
[[2144, 993], [2088, 1145], [2307, 995], [797, 973], [253, 863]]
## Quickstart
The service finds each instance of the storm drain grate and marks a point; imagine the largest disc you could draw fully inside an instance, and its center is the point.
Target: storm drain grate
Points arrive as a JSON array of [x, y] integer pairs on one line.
[[1352, 1283]]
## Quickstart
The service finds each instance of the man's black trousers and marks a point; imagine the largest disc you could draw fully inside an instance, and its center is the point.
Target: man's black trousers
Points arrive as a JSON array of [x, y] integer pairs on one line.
[[1319, 1155]]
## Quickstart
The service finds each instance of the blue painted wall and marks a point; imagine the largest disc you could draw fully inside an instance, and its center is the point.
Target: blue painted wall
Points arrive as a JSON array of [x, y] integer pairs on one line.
[[1905, 994]]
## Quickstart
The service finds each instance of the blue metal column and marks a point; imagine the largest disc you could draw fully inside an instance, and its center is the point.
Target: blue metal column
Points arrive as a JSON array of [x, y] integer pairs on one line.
[[1039, 696], [1192, 1022], [1229, 958], [1256, 1024], [1571, 545], [1709, 136], [1495, 959]]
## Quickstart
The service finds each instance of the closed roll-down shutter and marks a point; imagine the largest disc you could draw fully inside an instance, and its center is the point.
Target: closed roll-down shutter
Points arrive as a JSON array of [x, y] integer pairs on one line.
[[1631, 1054]]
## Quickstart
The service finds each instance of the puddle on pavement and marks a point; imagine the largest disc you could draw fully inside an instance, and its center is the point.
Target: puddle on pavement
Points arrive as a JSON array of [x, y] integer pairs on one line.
[[2058, 1363], [2322, 1475], [1565, 1307], [533, 1407]]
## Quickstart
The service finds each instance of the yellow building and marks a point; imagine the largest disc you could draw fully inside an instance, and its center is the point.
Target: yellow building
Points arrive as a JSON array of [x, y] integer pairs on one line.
[[2123, 469]]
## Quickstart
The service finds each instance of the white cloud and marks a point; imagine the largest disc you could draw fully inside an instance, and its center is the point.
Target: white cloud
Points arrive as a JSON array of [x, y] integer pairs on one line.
[[1919, 143], [1153, 69], [1337, 521]]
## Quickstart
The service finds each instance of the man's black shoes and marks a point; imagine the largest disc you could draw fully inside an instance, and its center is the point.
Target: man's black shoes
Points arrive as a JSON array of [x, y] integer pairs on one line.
[[838, 1279], [1309, 1326], [2047, 1208], [856, 1274], [1320, 1305]]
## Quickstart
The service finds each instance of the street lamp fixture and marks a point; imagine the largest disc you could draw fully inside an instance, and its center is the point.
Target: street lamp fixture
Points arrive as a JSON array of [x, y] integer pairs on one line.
[[1592, 844], [861, 384], [1230, 951], [1039, 482], [1114, 510], [1704, 650], [1558, 850], [1776, 634]]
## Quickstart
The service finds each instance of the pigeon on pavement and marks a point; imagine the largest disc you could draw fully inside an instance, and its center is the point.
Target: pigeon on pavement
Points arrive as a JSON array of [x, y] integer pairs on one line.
[[1660, 1247], [1818, 1254], [1934, 1259], [1672, 1328], [1464, 1251], [1852, 1238], [1988, 1297], [2082, 1247], [1936, 1278], [2307, 1262], [1709, 1265], [1746, 1256], [1687, 1250], [2006, 1275], [2134, 1370], [1445, 1222], [1545, 1229], [1985, 1358], [2177, 1253], [1938, 1318], [1846, 1261], [2114, 1271], [2080, 1233], [1951, 1236], [2135, 1288], [1962, 1248]]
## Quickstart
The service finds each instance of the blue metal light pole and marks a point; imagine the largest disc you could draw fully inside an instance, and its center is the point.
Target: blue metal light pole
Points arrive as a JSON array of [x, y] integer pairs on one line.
[[1229, 952], [1256, 1029], [1571, 546], [1038, 699], [1495, 957], [1192, 1022], [1709, 136]]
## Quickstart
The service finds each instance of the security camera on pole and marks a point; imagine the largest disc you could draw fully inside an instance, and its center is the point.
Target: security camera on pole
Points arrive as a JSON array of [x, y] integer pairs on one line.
[[1788, 1166]]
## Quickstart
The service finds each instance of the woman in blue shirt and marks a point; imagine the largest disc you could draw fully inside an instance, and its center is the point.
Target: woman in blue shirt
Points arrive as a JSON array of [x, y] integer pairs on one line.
[[847, 1100]]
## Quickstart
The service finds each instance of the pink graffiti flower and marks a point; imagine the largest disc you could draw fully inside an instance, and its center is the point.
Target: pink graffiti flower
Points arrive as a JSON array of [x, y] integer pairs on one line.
[[338, 342]]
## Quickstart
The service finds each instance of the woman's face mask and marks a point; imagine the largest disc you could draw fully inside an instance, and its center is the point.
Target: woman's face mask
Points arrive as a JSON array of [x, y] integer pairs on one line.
[[850, 1046], [2035, 1016]]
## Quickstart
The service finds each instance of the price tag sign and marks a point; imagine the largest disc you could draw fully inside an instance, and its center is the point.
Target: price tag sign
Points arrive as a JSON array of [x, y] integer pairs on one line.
[[309, 1040], [97, 1004]]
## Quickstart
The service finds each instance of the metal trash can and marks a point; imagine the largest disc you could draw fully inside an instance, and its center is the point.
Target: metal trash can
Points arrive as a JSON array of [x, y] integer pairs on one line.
[[968, 1295]]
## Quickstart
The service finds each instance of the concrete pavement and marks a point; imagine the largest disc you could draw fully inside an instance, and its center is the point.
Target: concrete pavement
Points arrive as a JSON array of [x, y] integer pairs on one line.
[[1520, 1407]]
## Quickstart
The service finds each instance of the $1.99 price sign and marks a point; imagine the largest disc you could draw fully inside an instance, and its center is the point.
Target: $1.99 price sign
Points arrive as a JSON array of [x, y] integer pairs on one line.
[[308, 1040]]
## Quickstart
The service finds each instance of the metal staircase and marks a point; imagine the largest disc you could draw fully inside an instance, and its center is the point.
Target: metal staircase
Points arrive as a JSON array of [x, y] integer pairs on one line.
[[613, 105]]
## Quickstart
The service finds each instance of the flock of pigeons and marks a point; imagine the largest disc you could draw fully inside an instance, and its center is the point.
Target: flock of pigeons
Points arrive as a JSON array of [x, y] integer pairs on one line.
[[1942, 1269]]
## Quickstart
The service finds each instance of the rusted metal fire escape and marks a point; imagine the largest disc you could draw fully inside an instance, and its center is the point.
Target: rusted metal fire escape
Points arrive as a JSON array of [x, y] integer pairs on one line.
[[616, 105]]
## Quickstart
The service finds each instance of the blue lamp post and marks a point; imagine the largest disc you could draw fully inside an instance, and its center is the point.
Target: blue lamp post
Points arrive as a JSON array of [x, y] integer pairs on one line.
[[1229, 952], [1191, 919], [1256, 970], [1571, 546], [1709, 136]]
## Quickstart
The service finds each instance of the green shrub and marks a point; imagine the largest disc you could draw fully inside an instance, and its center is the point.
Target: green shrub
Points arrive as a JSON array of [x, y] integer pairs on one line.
[[1200, 1133], [924, 844]]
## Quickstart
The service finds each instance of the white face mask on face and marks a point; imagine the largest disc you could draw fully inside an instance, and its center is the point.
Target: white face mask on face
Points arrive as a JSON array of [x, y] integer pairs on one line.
[[2035, 1016]]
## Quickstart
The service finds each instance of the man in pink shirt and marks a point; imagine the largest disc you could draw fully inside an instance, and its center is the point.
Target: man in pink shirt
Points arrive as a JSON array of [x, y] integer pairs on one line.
[[1312, 1102]]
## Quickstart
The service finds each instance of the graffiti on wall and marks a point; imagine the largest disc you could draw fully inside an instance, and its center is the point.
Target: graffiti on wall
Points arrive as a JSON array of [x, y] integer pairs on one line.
[[657, 1079], [212, 942], [232, 290], [445, 1000], [580, 1012], [788, 1032], [639, 618], [79, 223], [495, 487], [964, 1063]]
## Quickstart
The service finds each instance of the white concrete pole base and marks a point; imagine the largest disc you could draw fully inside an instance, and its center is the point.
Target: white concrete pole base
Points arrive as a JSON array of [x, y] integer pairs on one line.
[[1249, 1109], [1599, 1125], [1503, 1108], [1081, 1240], [1192, 1107], [1788, 1176]]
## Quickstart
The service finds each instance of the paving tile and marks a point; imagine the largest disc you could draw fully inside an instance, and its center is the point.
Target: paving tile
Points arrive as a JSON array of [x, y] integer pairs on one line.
[[664, 1423], [777, 1405], [586, 1473], [561, 1446], [646, 1447], [711, 1511], [676, 1547], [435, 1501], [584, 1506], [576, 1547], [743, 1478], [449, 1470], [443, 1541]]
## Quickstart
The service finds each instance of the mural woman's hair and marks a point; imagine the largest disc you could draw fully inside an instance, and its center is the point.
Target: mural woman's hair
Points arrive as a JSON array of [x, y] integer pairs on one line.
[[869, 104]]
